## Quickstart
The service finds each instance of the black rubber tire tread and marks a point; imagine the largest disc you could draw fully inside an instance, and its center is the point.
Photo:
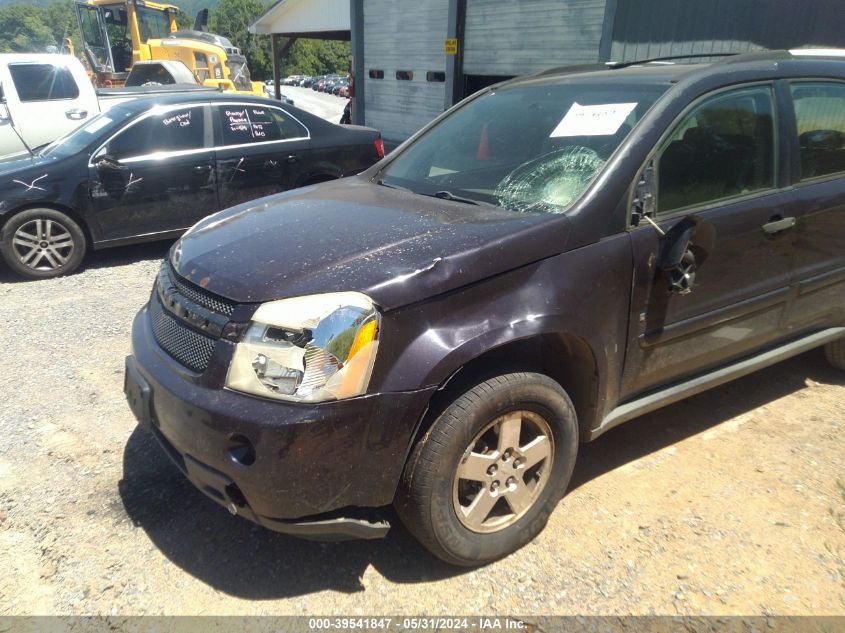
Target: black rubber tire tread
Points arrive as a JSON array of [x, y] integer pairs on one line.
[[835, 353], [429, 470], [16, 221]]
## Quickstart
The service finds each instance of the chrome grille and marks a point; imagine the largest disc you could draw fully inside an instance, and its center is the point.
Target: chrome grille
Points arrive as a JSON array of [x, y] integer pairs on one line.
[[186, 345], [200, 296]]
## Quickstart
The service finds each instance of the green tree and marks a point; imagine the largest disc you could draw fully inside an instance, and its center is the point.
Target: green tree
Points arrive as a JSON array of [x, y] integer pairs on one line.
[[184, 21], [231, 19], [317, 57], [22, 30], [60, 18]]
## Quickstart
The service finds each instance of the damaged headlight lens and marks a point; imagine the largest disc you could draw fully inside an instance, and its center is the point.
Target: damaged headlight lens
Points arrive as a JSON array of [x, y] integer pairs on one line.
[[308, 349]]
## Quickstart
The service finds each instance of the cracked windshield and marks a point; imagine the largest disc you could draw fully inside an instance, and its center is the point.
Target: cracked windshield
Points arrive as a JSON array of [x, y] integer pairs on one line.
[[527, 149]]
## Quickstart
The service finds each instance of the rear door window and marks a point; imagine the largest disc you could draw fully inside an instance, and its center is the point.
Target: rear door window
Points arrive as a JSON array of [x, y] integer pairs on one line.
[[171, 131], [820, 118], [43, 82], [291, 128], [243, 124], [724, 148]]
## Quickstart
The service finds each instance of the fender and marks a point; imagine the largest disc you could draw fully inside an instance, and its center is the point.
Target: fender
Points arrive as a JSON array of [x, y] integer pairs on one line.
[[426, 343]]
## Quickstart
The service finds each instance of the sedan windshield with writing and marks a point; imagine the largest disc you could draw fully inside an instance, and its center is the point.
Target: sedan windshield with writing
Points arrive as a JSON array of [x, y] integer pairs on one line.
[[528, 148]]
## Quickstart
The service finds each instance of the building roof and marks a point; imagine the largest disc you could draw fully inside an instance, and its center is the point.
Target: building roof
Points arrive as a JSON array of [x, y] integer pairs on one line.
[[320, 19]]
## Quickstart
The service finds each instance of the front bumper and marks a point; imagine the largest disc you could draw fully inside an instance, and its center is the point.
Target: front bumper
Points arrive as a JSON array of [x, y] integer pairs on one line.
[[299, 469]]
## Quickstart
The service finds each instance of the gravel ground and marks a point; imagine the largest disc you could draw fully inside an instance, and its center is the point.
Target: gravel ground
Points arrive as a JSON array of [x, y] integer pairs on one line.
[[722, 504]]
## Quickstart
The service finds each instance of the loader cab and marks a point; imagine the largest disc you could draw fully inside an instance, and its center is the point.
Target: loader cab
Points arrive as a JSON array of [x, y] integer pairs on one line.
[[114, 35]]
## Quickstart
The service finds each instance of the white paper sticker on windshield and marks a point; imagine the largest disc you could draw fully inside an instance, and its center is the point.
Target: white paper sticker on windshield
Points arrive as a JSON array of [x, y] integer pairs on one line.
[[98, 125], [593, 120]]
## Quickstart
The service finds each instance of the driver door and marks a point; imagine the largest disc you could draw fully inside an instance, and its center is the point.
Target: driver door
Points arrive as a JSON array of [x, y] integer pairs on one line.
[[718, 166], [156, 176]]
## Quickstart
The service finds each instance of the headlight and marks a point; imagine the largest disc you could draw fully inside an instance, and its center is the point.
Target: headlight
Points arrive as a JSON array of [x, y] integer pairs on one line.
[[308, 349]]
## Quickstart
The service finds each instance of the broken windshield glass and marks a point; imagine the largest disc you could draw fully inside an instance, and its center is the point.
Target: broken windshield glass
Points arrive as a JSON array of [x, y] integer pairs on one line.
[[526, 148]]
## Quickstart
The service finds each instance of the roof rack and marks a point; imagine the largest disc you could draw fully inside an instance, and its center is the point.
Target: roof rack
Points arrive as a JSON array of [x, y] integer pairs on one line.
[[670, 58]]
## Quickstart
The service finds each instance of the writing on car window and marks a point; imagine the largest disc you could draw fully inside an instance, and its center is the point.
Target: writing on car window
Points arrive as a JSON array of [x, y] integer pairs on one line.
[[242, 124], [171, 131]]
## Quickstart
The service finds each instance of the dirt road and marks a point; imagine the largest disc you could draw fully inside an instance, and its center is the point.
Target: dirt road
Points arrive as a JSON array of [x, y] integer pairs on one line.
[[720, 504]]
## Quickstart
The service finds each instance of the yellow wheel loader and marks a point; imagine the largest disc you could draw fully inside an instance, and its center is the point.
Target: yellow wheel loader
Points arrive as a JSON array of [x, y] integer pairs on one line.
[[115, 35]]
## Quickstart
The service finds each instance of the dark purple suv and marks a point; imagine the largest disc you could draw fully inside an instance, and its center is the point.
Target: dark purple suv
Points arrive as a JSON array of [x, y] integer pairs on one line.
[[550, 258]]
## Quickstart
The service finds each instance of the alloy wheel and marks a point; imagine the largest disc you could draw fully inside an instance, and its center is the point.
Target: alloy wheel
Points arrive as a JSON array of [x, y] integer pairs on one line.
[[503, 471], [43, 244]]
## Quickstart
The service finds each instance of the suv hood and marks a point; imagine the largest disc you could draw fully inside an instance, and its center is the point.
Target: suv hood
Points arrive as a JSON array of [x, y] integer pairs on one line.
[[395, 246]]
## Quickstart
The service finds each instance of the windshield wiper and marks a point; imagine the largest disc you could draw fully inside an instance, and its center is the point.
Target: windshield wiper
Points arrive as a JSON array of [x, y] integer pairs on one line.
[[384, 184], [448, 195], [443, 195]]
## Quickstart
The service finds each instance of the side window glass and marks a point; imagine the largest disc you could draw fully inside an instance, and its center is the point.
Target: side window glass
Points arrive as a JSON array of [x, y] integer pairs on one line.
[[170, 131], [289, 126], [820, 115], [722, 149], [43, 82], [244, 123]]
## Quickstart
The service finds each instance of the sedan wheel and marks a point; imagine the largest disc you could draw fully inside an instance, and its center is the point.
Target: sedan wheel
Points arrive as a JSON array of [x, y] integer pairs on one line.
[[42, 243]]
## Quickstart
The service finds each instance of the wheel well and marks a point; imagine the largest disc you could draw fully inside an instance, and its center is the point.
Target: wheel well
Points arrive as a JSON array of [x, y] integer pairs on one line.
[[566, 359], [55, 207]]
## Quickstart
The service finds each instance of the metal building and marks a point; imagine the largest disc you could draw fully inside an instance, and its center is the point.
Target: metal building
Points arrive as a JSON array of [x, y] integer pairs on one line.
[[414, 58]]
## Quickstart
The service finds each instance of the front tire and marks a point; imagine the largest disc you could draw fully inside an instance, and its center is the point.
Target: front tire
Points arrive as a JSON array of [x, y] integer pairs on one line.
[[835, 353], [484, 479], [42, 243]]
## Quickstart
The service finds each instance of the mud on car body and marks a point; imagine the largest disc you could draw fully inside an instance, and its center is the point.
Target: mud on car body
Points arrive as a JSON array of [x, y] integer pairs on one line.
[[552, 257]]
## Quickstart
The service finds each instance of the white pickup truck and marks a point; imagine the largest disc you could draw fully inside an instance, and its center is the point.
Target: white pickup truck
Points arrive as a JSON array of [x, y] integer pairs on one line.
[[43, 97]]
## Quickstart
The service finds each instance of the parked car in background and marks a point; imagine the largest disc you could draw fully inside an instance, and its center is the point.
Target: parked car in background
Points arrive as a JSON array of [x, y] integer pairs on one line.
[[47, 96], [270, 92], [343, 91], [550, 258], [331, 83], [150, 168], [343, 82], [306, 82]]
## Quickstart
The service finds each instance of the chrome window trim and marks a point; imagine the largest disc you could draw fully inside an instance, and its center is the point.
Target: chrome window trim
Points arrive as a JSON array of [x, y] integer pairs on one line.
[[162, 155], [151, 112], [259, 143]]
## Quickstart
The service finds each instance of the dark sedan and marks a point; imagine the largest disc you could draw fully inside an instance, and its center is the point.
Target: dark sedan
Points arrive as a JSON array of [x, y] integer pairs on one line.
[[150, 168]]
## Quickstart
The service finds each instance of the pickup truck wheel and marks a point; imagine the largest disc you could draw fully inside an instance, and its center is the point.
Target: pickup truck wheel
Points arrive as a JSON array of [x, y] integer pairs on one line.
[[484, 479], [42, 243], [835, 353]]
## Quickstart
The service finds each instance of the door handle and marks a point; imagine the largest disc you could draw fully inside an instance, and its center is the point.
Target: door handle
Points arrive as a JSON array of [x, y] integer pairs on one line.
[[201, 168], [293, 158], [76, 114], [777, 224]]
